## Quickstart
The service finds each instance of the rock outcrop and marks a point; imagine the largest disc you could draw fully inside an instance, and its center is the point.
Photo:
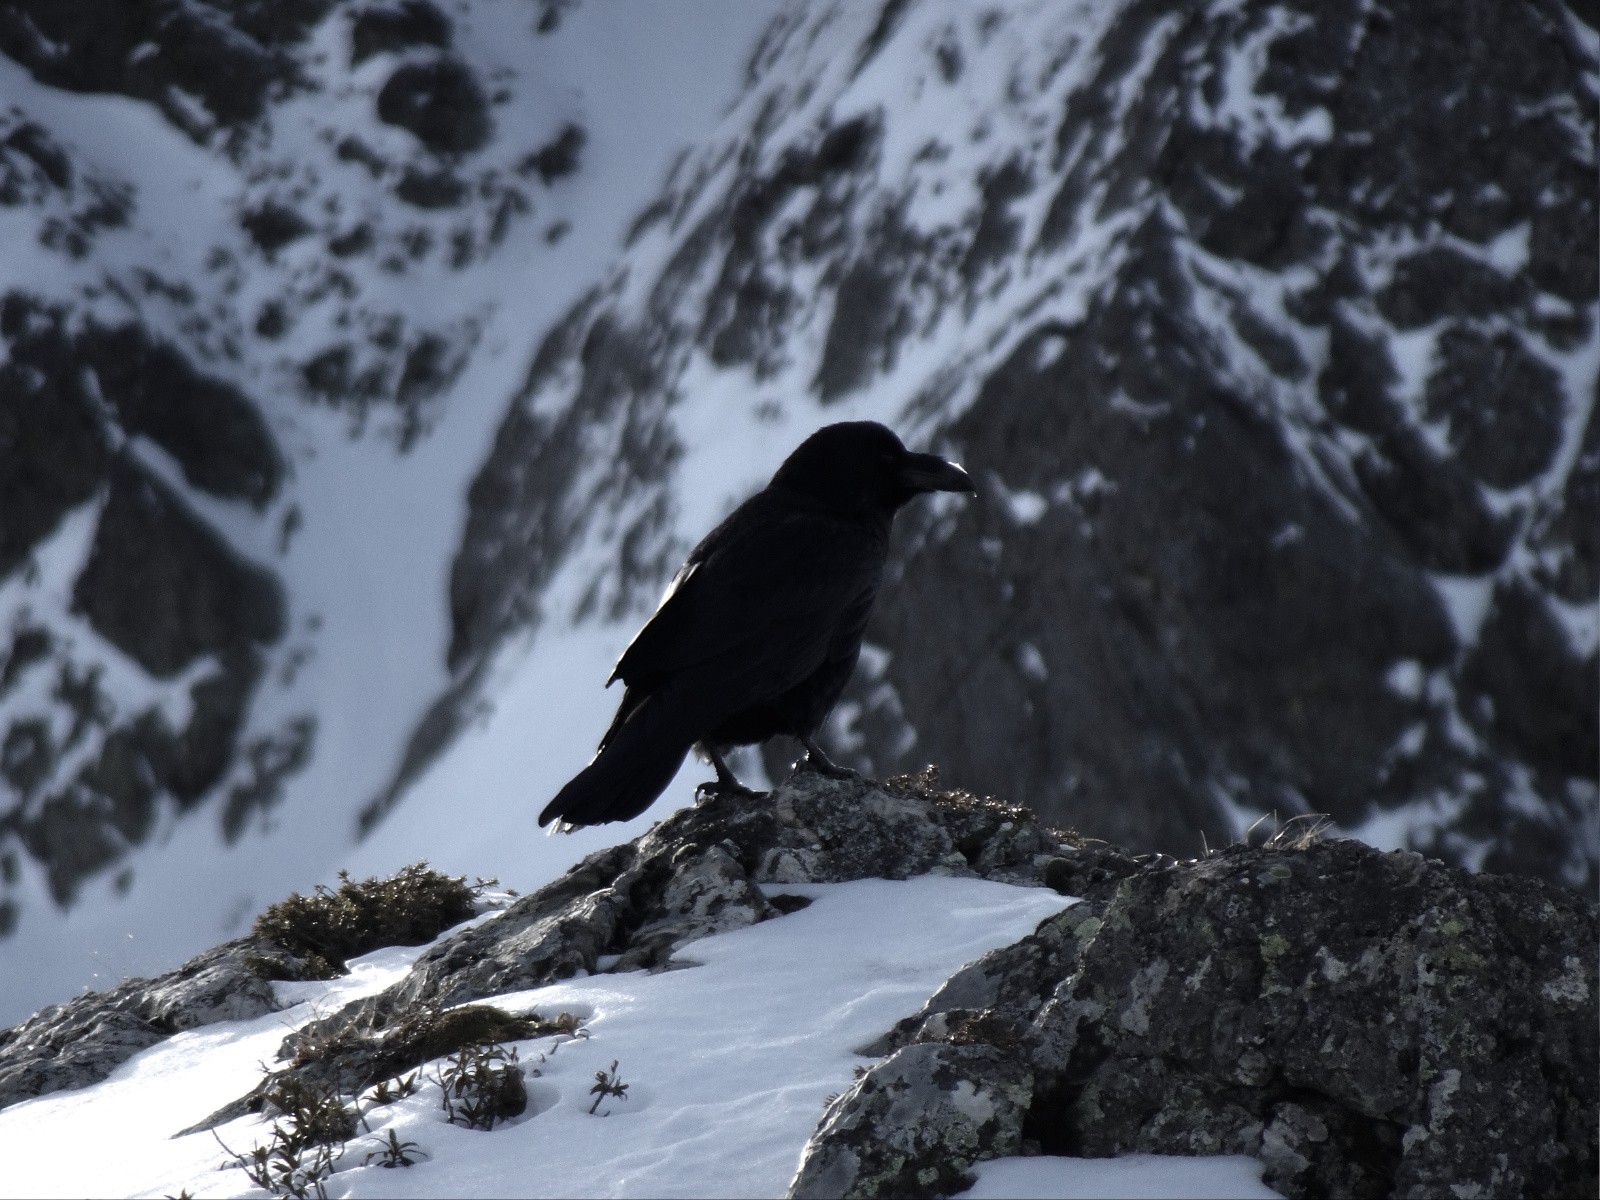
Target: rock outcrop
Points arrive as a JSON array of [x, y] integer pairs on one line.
[[1365, 1024], [719, 865], [81, 1041]]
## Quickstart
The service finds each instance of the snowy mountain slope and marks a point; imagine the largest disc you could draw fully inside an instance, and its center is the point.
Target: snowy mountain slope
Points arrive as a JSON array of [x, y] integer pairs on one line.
[[1270, 333], [250, 361]]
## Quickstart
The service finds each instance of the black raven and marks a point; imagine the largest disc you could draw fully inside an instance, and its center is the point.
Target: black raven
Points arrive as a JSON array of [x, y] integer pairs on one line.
[[760, 629]]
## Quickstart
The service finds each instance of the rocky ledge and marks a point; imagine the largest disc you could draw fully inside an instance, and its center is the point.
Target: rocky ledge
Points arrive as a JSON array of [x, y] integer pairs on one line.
[[1365, 1024]]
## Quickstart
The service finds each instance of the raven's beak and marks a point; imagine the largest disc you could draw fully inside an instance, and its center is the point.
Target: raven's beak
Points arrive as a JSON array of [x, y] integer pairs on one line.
[[930, 473]]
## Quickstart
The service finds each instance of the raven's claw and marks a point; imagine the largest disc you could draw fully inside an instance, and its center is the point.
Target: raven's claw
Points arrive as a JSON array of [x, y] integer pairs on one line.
[[816, 760], [724, 787], [726, 783]]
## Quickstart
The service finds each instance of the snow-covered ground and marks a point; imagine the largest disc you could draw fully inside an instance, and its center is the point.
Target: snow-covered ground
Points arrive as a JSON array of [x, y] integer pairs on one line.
[[727, 1062]]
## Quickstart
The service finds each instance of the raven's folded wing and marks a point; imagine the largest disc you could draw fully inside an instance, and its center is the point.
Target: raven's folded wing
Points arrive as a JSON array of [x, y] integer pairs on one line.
[[760, 603]]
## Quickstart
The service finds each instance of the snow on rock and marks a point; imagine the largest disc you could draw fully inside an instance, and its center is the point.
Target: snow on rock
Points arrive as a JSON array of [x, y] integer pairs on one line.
[[703, 870]]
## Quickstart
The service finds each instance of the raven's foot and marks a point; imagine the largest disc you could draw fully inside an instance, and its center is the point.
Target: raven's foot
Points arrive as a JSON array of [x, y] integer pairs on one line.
[[718, 787], [726, 783], [816, 760]]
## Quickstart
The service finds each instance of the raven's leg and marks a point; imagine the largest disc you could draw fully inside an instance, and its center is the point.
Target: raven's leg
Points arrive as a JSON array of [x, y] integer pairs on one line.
[[816, 760], [727, 783]]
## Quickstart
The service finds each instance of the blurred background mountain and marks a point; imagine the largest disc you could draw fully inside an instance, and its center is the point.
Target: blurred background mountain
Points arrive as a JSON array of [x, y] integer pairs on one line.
[[368, 368]]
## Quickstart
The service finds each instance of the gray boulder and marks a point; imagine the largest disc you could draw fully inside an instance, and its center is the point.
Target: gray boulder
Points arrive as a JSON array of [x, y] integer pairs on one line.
[[912, 1122], [1366, 1024], [81, 1041]]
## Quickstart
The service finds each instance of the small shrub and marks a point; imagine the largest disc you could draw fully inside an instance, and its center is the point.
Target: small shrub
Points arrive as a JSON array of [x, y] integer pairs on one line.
[[607, 1083], [286, 1169], [316, 1115], [483, 1085], [1299, 833], [330, 926], [388, 1091], [305, 1144], [393, 1153]]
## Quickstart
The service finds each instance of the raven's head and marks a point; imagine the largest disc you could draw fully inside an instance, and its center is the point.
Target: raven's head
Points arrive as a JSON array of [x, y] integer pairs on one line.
[[857, 465]]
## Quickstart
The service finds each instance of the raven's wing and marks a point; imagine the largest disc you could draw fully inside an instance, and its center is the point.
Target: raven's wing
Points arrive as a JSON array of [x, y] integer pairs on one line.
[[759, 604]]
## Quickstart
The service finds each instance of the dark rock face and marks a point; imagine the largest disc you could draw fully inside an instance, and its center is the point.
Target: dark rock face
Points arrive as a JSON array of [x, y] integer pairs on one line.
[[147, 377], [1269, 338], [388, 28], [1366, 1024], [1210, 619], [439, 101], [232, 56], [196, 595], [69, 404]]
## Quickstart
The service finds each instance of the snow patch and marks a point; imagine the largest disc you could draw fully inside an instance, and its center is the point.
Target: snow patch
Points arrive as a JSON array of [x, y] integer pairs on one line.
[[1046, 1177]]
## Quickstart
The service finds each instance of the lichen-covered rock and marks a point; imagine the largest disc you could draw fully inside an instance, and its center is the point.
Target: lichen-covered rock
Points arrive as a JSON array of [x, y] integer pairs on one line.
[[1383, 1021], [913, 1126], [1366, 1024], [82, 1041], [995, 997]]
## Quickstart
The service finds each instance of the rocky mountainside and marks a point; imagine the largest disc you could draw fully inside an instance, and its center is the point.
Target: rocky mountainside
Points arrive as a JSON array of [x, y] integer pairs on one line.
[[1364, 1024], [1269, 332], [156, 347], [159, 349], [269, 273]]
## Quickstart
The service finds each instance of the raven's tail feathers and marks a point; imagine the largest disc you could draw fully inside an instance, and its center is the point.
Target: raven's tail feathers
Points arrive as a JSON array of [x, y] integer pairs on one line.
[[637, 760]]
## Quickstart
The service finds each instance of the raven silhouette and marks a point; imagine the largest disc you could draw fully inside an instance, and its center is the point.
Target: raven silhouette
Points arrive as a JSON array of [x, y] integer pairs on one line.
[[759, 630]]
